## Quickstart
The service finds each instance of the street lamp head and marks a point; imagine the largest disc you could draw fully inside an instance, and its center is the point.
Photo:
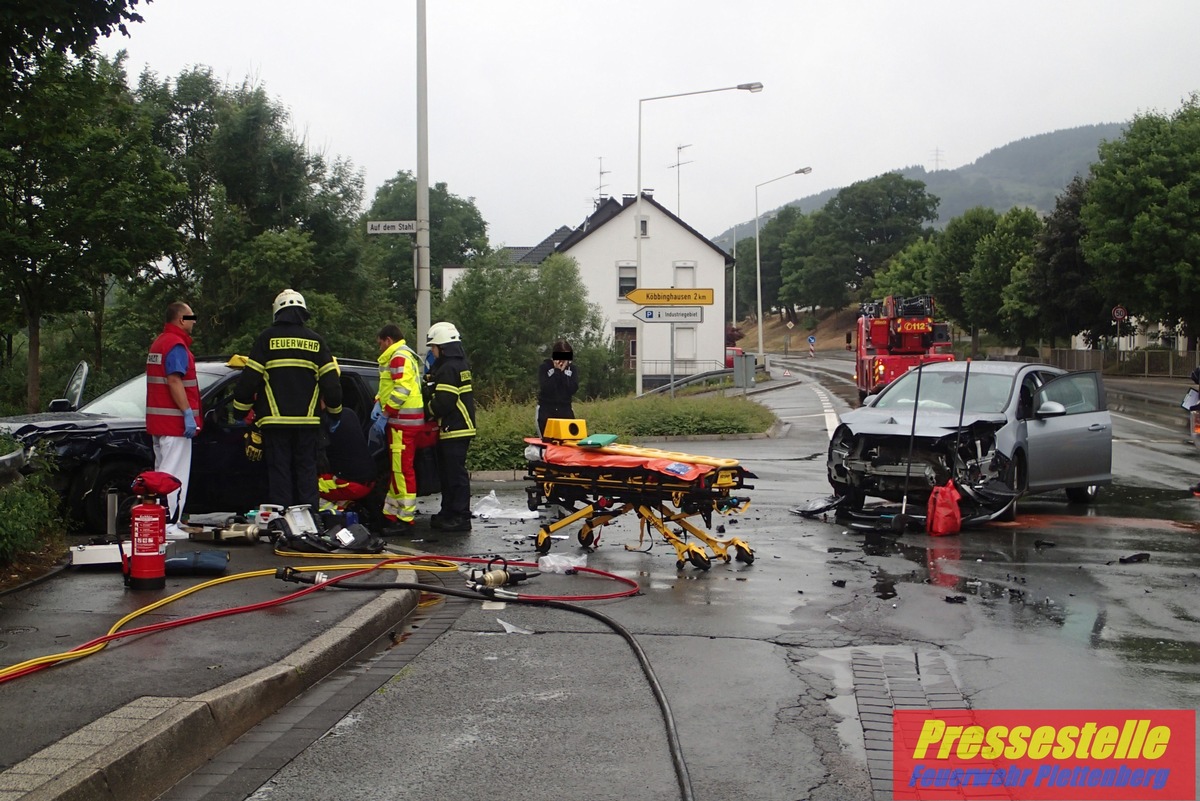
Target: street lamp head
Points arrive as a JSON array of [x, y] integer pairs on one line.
[[751, 87], [804, 171]]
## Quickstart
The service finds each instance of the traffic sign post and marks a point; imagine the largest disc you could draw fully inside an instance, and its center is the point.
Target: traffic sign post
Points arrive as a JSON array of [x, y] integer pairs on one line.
[[1119, 313], [391, 226], [670, 314], [812, 342], [670, 297]]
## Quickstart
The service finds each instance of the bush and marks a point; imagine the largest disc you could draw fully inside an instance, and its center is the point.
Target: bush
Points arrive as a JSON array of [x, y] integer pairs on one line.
[[28, 511], [500, 441]]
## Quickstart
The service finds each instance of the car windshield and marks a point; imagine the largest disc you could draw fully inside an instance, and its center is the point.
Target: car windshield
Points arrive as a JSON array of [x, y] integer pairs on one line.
[[129, 399], [943, 391]]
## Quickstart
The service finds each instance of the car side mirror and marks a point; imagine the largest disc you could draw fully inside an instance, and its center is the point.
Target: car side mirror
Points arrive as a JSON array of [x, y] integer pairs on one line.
[[61, 405], [1051, 409]]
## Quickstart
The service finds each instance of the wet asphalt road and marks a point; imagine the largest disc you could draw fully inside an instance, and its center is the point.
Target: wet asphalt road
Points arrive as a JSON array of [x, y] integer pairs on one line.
[[777, 677]]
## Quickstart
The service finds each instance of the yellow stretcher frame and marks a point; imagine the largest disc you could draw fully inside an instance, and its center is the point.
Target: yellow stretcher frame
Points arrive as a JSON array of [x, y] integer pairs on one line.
[[608, 491]]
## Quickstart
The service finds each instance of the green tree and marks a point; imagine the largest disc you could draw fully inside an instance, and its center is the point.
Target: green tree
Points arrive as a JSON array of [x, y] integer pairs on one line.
[[1061, 272], [457, 234], [996, 256], [868, 222], [909, 271], [952, 262], [30, 29], [83, 196], [493, 305], [769, 258], [260, 214], [1142, 217]]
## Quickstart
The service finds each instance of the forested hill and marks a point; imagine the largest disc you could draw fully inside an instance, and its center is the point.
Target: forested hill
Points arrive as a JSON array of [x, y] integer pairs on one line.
[[1029, 172]]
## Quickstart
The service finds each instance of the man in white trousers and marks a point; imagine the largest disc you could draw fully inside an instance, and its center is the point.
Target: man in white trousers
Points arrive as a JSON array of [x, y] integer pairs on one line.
[[173, 406]]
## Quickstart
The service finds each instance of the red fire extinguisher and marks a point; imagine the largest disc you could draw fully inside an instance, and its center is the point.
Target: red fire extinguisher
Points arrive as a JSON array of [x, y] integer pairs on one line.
[[146, 567]]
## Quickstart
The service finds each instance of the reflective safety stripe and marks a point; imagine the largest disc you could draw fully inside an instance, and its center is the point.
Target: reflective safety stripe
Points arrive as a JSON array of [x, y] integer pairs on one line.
[[156, 380], [170, 411]]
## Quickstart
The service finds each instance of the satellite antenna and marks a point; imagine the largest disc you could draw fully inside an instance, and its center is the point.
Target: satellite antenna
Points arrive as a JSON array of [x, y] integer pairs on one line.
[[676, 166]]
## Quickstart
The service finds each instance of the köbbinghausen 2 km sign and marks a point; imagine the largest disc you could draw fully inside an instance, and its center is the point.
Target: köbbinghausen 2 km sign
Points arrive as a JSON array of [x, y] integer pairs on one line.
[[670, 297]]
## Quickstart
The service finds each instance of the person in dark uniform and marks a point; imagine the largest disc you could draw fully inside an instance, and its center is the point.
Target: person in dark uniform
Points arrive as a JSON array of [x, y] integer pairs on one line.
[[451, 402], [557, 383], [289, 371]]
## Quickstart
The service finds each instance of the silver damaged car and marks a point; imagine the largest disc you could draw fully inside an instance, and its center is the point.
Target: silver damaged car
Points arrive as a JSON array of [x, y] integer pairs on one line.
[[999, 429]]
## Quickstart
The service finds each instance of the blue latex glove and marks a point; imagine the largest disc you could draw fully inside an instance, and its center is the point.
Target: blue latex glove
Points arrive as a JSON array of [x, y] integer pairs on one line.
[[378, 427], [189, 423], [376, 412], [334, 422]]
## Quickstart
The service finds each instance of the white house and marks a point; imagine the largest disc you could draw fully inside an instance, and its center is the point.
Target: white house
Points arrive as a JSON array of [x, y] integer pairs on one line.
[[674, 256]]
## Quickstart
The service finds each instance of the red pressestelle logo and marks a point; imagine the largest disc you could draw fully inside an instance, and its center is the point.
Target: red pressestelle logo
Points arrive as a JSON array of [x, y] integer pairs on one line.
[[1045, 755]]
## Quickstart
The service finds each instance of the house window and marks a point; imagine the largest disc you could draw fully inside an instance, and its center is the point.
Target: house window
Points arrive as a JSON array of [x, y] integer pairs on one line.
[[685, 275], [628, 339], [627, 277], [685, 342], [643, 226]]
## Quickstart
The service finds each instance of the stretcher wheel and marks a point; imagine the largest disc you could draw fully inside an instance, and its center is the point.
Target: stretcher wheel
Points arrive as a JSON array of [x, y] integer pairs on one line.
[[543, 541], [586, 537], [744, 555], [679, 563], [700, 561]]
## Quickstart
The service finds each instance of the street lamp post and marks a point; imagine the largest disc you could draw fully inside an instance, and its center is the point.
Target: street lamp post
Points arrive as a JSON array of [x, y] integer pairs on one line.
[[637, 218], [758, 256]]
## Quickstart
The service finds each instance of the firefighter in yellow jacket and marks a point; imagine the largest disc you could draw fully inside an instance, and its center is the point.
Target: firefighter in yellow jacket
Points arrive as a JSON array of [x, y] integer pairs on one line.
[[402, 410]]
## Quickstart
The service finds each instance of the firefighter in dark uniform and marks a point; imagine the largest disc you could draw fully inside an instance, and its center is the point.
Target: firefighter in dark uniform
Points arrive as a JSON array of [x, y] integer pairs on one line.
[[290, 370], [449, 400]]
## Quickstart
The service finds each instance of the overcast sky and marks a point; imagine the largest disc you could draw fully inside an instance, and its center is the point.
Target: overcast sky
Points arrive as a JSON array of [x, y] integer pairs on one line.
[[527, 96]]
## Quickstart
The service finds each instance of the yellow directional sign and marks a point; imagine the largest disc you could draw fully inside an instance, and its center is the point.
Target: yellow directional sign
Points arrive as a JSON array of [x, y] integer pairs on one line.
[[670, 297]]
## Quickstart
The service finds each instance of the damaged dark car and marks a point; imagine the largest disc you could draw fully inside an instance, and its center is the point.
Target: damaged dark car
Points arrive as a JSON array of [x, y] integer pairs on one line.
[[998, 430], [103, 444]]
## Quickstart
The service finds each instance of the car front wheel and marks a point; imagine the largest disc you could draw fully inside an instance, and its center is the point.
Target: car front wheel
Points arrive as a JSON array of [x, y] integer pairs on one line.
[[118, 475]]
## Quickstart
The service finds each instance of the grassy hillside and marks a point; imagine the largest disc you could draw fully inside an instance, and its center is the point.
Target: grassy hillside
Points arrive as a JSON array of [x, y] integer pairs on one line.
[[830, 332], [1029, 172]]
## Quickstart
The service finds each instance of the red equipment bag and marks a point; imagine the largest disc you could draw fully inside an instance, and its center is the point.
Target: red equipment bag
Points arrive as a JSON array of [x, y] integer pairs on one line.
[[154, 483], [942, 516]]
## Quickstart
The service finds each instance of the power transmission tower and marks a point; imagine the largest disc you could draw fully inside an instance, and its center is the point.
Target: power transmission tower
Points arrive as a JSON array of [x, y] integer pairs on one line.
[[937, 158]]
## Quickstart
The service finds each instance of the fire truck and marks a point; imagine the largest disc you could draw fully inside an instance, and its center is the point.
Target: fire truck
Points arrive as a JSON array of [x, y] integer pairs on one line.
[[893, 335]]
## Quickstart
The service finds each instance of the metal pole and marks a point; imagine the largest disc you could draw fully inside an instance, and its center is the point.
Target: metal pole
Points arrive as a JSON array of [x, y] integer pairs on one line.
[[672, 359], [637, 220], [422, 181], [758, 256]]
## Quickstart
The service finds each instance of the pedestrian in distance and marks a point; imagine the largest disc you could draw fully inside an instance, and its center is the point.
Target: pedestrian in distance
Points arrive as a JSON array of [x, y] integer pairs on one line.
[[1195, 379], [451, 402], [558, 382], [400, 409], [289, 371], [173, 405]]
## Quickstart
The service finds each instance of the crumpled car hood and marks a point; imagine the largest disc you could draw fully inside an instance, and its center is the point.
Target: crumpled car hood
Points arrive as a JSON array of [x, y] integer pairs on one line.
[[930, 424]]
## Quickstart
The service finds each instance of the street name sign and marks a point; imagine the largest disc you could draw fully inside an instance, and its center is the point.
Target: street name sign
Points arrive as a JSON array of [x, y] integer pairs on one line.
[[391, 226], [670, 314], [670, 297]]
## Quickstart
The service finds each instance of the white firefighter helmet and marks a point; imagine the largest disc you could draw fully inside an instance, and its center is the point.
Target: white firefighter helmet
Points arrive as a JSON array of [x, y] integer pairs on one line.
[[441, 333], [286, 299]]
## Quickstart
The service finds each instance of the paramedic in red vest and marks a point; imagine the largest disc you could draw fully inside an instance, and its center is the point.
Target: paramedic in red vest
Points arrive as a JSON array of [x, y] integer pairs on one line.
[[173, 405]]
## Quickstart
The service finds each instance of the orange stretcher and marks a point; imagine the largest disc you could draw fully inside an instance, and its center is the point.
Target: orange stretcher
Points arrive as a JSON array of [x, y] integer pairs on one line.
[[664, 488]]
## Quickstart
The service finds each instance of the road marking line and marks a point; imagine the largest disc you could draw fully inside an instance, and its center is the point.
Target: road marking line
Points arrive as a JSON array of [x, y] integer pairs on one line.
[[831, 418], [1141, 422]]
